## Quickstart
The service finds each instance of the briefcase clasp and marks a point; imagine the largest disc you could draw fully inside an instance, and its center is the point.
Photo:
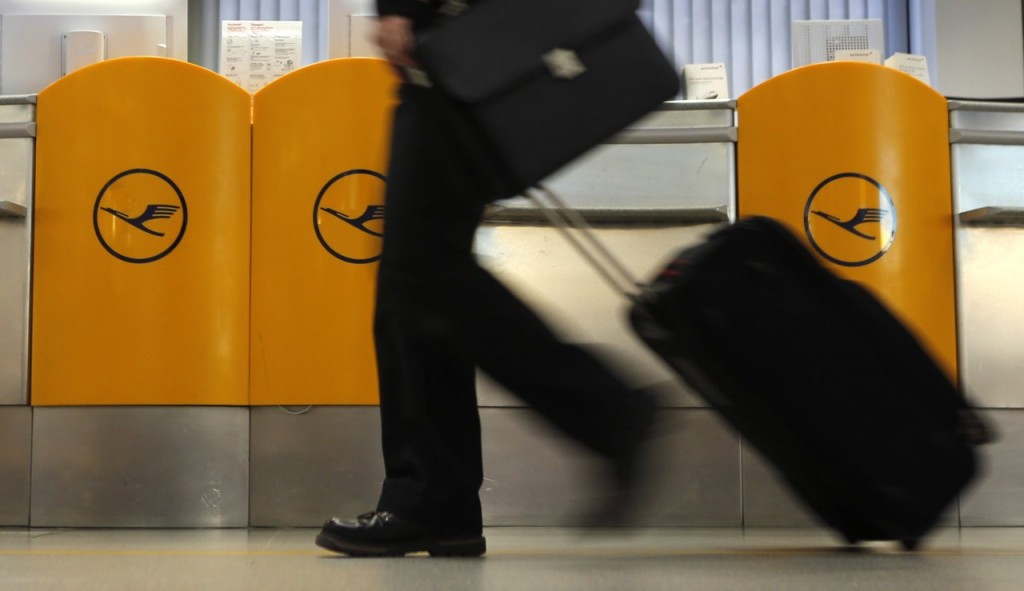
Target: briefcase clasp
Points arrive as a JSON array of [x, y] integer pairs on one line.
[[453, 7], [563, 64]]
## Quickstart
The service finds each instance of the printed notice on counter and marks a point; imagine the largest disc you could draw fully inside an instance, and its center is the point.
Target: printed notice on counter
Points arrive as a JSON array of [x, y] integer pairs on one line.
[[705, 82], [255, 53], [915, 65]]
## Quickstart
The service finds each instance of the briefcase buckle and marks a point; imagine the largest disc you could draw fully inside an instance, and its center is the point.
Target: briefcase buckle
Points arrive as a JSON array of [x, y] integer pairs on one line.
[[563, 64], [453, 7]]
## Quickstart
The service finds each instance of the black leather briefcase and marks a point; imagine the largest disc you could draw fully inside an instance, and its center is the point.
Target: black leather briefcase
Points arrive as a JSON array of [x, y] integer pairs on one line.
[[533, 84]]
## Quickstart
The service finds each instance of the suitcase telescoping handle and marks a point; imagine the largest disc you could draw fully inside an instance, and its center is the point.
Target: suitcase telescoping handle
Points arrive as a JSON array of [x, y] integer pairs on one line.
[[566, 220]]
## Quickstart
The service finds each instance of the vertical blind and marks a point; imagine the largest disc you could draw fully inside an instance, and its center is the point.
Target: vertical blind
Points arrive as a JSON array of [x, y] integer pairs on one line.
[[752, 37]]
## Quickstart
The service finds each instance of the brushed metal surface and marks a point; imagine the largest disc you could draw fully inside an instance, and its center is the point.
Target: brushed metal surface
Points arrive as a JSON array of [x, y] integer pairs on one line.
[[987, 176], [20, 129], [536, 477], [310, 465], [140, 467], [17, 109], [986, 116], [15, 464], [16, 159], [767, 500], [990, 277], [537, 264], [986, 136], [682, 113], [647, 176], [993, 216], [689, 163], [10, 209], [327, 462], [997, 498], [675, 135]]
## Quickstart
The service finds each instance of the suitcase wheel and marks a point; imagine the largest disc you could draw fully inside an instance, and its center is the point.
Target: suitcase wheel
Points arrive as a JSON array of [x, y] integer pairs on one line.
[[910, 544]]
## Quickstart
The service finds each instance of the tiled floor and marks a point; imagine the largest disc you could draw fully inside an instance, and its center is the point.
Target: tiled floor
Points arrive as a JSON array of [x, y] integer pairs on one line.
[[534, 559]]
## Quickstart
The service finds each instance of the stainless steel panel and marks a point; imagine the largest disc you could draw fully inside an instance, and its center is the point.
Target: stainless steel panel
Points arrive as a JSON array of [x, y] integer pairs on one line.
[[986, 116], [16, 160], [15, 109], [15, 246], [983, 136], [535, 476], [140, 467], [322, 462], [308, 467], [767, 501], [537, 263], [987, 176], [993, 216], [15, 464], [689, 162], [16, 169], [650, 176], [695, 114], [10, 209], [990, 276], [18, 129], [997, 499]]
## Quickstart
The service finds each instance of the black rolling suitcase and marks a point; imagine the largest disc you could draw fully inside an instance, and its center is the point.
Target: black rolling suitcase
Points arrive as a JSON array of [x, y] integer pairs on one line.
[[818, 376]]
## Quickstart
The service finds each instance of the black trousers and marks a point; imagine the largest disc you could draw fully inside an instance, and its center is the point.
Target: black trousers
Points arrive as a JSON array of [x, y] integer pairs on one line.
[[439, 316]]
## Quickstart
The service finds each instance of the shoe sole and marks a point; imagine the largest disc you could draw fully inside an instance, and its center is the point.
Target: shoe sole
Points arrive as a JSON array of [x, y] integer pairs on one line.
[[443, 547]]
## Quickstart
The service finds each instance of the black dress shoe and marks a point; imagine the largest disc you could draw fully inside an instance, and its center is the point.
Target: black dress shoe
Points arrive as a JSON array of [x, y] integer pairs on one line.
[[380, 533]]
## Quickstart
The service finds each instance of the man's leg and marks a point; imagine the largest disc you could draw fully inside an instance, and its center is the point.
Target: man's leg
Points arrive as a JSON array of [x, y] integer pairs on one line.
[[429, 419]]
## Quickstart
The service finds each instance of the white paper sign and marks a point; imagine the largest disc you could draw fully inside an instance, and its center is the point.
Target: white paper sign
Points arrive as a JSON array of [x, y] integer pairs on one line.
[[915, 65], [255, 53], [706, 82], [871, 56]]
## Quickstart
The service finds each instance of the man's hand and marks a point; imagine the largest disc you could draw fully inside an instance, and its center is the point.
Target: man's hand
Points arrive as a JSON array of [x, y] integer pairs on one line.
[[395, 38]]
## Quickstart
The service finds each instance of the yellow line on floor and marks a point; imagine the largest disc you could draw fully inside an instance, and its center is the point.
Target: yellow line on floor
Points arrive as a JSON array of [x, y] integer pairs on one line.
[[115, 552], [611, 553]]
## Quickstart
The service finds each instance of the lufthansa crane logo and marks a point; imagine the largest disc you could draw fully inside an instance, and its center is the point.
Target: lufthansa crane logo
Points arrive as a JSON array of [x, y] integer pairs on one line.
[[348, 216], [850, 219], [140, 216]]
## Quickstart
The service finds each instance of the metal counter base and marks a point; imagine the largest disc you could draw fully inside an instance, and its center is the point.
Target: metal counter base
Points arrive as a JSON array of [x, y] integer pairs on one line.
[[15, 464], [327, 462], [269, 466]]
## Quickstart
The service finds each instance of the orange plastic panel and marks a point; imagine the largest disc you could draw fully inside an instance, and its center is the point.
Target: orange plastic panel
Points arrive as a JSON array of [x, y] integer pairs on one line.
[[320, 143], [855, 158], [141, 248]]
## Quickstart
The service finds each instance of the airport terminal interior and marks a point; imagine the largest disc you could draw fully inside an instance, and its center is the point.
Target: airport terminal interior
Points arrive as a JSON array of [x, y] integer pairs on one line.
[[190, 198]]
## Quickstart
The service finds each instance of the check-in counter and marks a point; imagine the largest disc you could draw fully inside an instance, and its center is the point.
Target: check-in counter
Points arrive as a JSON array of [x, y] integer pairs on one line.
[[660, 186], [987, 146]]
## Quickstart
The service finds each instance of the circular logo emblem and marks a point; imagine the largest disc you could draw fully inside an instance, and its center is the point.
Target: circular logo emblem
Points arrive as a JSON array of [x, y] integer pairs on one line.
[[348, 218], [850, 219], [140, 216]]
